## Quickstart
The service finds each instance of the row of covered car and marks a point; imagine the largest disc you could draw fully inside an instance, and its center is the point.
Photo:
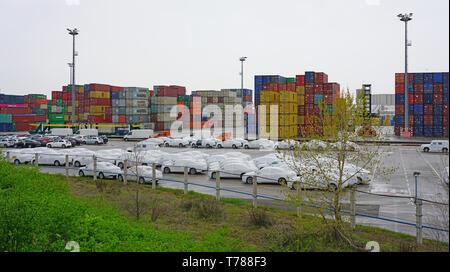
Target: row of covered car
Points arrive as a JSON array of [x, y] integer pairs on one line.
[[271, 168], [51, 141]]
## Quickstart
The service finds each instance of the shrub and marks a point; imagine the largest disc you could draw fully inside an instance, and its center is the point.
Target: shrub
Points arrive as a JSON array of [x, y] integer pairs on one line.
[[259, 217]]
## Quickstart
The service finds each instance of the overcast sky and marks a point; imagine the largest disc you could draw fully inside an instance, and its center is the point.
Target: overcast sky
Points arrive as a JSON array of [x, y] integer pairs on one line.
[[198, 43]]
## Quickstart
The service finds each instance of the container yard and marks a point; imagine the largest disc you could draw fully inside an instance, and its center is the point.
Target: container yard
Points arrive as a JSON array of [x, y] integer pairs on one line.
[[428, 101]]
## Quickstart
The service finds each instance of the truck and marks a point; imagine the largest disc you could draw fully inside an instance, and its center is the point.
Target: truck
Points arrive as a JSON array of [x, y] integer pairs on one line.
[[138, 134], [61, 131], [87, 132]]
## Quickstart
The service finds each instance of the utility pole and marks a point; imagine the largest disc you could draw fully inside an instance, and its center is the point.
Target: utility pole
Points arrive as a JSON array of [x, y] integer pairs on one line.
[[73, 32], [242, 59], [406, 18]]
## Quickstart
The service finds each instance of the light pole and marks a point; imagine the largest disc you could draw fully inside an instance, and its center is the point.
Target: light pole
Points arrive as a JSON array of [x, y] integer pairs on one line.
[[242, 59], [70, 65], [73, 32], [406, 18]]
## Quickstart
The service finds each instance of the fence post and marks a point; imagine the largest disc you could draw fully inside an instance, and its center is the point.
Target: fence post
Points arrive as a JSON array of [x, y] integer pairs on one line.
[[67, 165], [125, 172], [299, 207], [353, 208], [185, 180], [218, 185], [154, 176], [419, 221], [255, 193], [36, 159], [95, 168], [7, 156]]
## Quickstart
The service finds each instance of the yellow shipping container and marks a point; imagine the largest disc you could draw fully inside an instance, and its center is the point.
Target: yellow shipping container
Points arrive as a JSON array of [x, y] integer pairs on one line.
[[69, 108], [97, 109], [301, 100], [300, 90], [81, 89], [98, 94], [301, 120]]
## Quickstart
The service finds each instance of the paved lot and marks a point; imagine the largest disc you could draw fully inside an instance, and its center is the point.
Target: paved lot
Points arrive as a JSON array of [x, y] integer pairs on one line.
[[407, 159]]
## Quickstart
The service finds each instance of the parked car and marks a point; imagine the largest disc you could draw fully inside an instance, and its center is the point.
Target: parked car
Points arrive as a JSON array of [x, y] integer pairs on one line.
[[287, 144], [21, 157], [5, 142], [59, 143], [144, 174], [435, 146], [72, 141], [259, 144], [349, 146], [79, 157], [95, 140], [230, 144], [105, 138], [206, 143], [176, 142], [29, 143], [43, 141], [50, 157], [143, 146], [234, 168], [266, 160], [271, 174], [314, 145], [177, 165], [104, 170]]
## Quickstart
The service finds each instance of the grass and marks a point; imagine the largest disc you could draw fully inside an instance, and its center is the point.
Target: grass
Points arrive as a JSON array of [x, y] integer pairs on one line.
[[41, 212]]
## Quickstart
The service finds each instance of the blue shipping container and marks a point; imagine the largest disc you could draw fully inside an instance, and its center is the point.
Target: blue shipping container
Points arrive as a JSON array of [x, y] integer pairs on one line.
[[438, 131], [428, 78], [437, 120], [399, 119], [418, 120], [418, 130], [399, 99], [428, 131], [445, 87], [418, 78], [437, 77], [445, 78], [445, 99], [418, 109], [428, 99], [410, 88], [437, 110], [309, 77]]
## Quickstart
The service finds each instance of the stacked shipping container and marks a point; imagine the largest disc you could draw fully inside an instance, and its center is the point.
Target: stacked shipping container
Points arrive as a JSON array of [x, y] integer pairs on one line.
[[17, 113], [164, 99], [427, 104]]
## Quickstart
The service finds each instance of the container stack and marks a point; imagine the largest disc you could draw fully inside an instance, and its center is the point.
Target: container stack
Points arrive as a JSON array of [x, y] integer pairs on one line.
[[285, 97], [118, 105], [428, 104], [100, 107], [166, 97], [16, 116]]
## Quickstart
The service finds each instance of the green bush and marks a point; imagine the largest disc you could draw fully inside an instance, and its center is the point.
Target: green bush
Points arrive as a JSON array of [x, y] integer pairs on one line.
[[39, 213]]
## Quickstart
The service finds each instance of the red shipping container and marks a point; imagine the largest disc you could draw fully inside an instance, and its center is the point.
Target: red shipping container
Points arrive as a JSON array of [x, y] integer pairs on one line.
[[301, 110], [23, 118], [428, 120], [309, 99], [309, 88], [445, 119], [96, 118], [399, 88], [445, 131], [445, 109], [159, 126], [108, 110], [398, 129], [122, 119], [399, 78], [418, 99], [180, 89], [399, 109], [318, 88], [99, 87], [418, 88], [274, 87], [428, 109], [438, 88], [410, 99], [116, 89], [309, 109], [410, 78], [320, 78], [209, 100], [265, 88], [246, 98], [437, 99], [15, 110], [411, 120], [329, 99], [221, 99], [153, 117], [24, 127], [317, 110], [108, 119], [300, 80]]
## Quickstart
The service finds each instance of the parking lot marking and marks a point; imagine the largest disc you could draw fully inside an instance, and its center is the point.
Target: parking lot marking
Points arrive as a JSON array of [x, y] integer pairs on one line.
[[431, 166]]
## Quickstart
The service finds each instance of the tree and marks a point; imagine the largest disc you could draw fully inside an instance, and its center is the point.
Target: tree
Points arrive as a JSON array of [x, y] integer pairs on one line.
[[329, 159]]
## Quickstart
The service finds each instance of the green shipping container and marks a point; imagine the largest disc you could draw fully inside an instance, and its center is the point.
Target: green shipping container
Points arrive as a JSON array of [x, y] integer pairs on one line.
[[56, 117], [37, 96], [184, 98], [64, 109], [59, 102], [38, 111], [290, 80], [6, 118]]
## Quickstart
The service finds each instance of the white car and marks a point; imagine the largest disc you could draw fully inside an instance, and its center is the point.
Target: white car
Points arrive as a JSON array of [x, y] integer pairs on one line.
[[271, 174], [435, 146], [7, 142], [157, 141], [259, 144], [231, 169], [80, 156], [230, 144], [177, 166], [349, 146], [104, 170], [93, 140], [287, 144], [109, 155], [266, 160], [144, 146], [208, 143], [50, 157], [61, 143], [314, 145], [176, 142], [144, 174], [22, 156]]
